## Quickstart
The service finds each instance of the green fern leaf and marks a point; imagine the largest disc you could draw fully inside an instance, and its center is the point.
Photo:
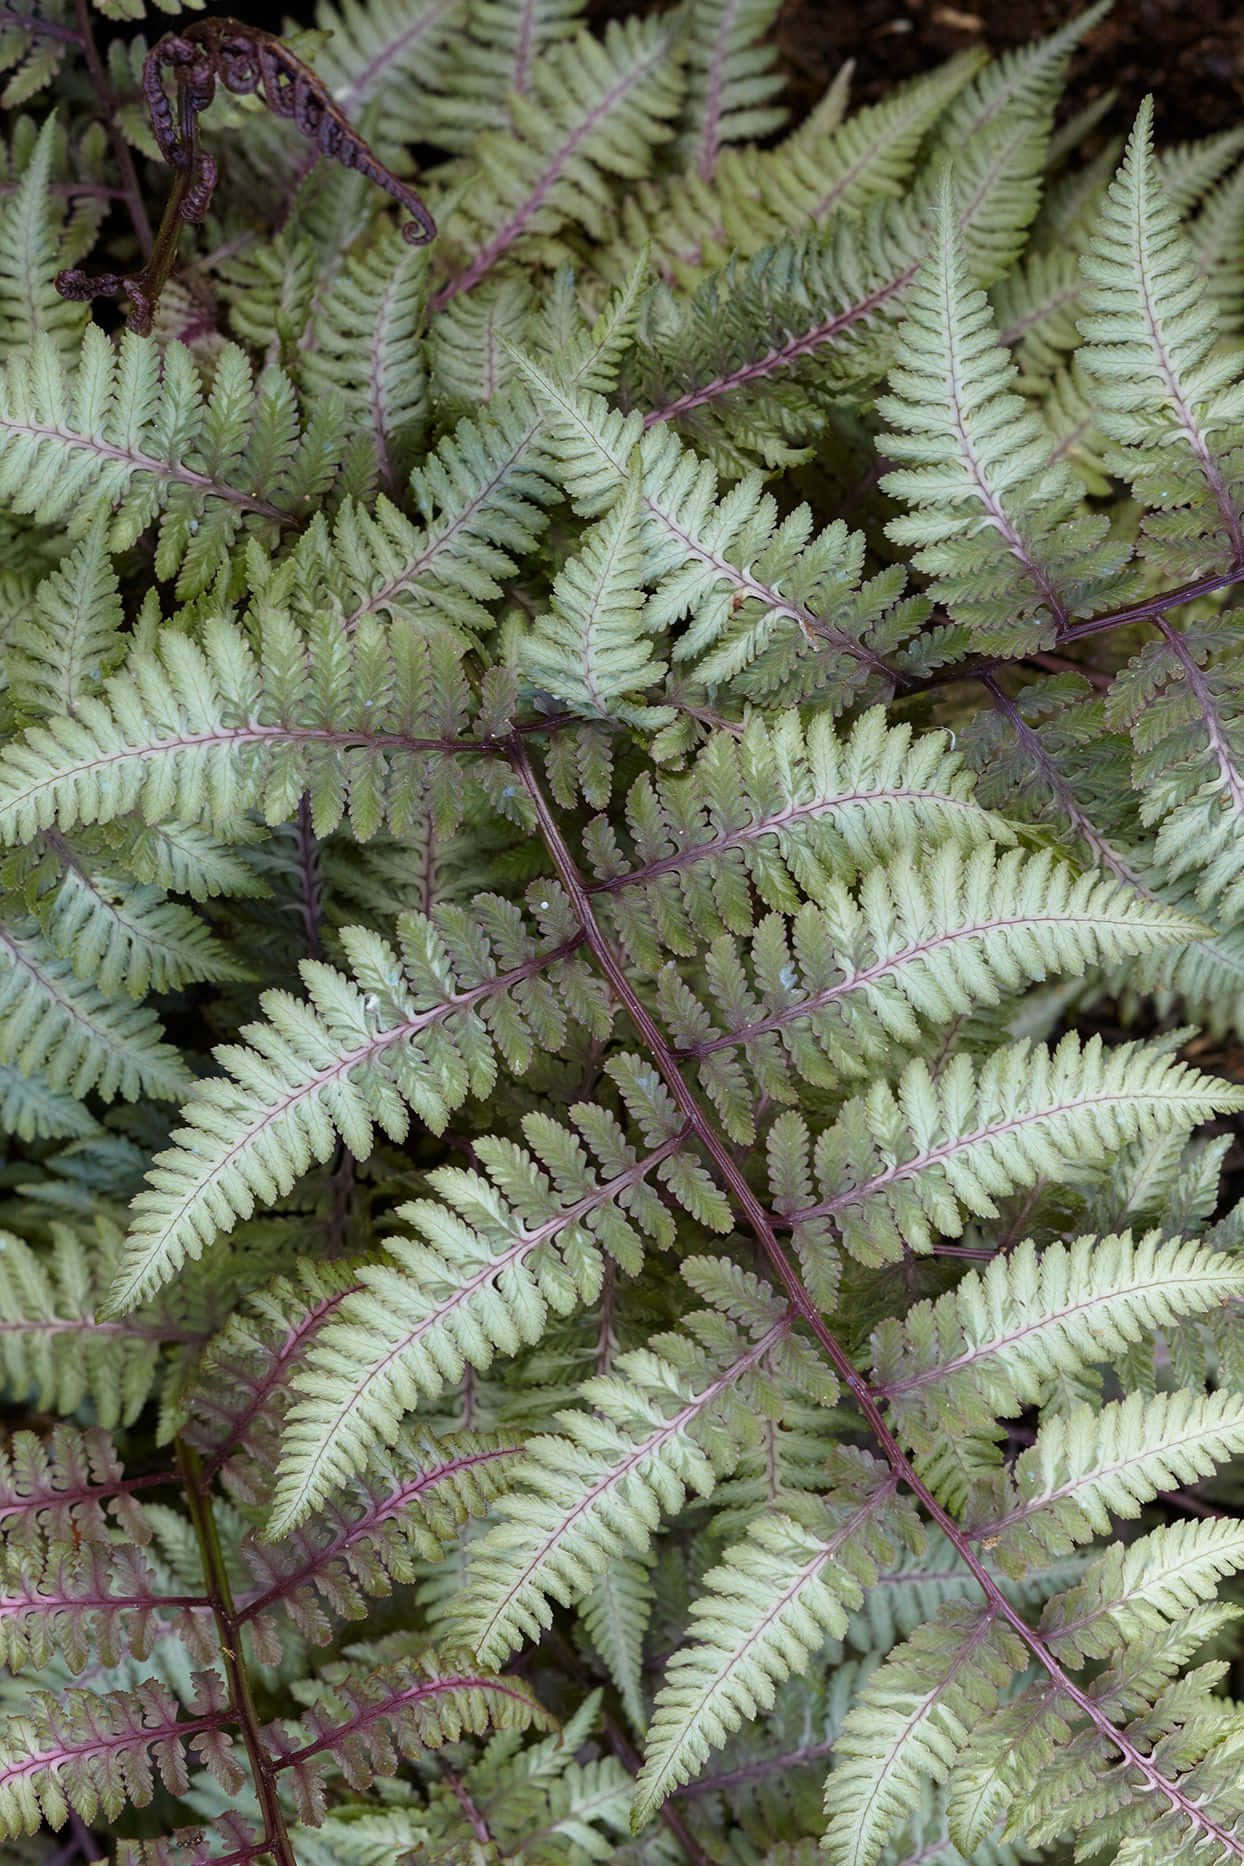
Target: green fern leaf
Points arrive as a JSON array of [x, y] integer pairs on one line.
[[833, 991], [72, 640], [1088, 1465], [986, 504], [764, 1613], [55, 1025], [1165, 391], [901, 1168], [730, 80], [489, 1261], [990, 1346], [667, 1420], [419, 1030], [909, 1721], [591, 649], [128, 431]]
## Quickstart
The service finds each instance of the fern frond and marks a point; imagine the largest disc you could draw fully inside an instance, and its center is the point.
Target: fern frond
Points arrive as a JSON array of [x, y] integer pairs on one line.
[[72, 638], [990, 516], [741, 580], [781, 808], [419, 1028], [867, 158], [54, 1491], [206, 731], [382, 1532], [837, 295], [911, 1718], [834, 990], [493, 55], [33, 247], [391, 55], [483, 491], [94, 1603], [900, 1168], [593, 114], [615, 1615], [358, 1727], [366, 347], [490, 1259], [31, 56], [33, 1110], [53, 1350], [94, 1752], [667, 1420], [1134, 1586], [55, 1025], [124, 938], [128, 431], [1164, 388], [990, 1346], [1178, 699], [731, 79], [592, 649], [1088, 1465], [763, 1614]]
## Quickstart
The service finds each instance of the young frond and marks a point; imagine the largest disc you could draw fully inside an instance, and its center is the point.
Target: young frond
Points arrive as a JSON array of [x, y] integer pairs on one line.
[[764, 1613], [1167, 392], [418, 1028], [834, 991], [903, 1166], [1000, 529], [491, 1258], [129, 432], [667, 1420]]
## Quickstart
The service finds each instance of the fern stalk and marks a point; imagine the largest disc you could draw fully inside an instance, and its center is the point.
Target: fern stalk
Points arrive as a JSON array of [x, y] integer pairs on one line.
[[228, 1627]]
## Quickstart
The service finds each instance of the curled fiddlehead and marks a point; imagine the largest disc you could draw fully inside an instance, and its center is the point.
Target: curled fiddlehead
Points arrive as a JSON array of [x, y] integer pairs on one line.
[[245, 60]]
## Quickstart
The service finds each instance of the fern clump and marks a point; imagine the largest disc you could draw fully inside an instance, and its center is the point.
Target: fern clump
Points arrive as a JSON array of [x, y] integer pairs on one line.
[[621, 952]]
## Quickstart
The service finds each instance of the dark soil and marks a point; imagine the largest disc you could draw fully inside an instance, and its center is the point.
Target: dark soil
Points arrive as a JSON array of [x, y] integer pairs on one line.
[[1190, 53]]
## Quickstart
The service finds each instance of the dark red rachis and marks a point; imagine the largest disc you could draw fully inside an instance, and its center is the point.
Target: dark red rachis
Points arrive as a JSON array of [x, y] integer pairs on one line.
[[243, 59]]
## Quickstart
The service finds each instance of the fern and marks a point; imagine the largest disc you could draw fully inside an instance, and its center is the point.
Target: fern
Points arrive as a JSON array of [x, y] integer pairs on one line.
[[119, 432], [621, 954]]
